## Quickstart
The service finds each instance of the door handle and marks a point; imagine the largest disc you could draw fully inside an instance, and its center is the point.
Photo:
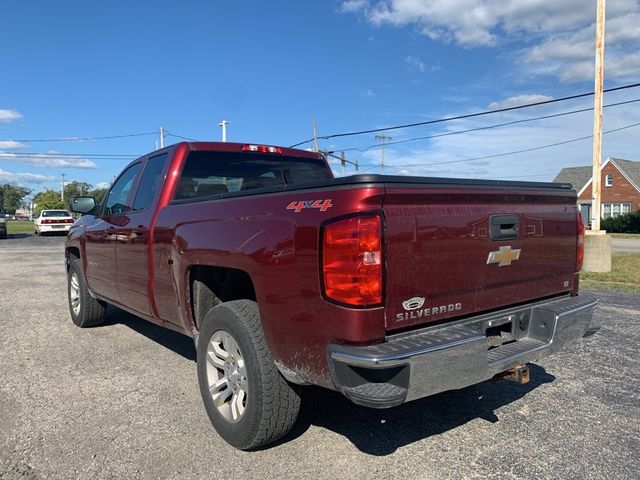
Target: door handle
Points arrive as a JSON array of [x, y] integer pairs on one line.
[[504, 227]]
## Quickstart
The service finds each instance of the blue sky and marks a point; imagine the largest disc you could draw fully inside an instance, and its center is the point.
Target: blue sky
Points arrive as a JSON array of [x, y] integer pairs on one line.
[[85, 69]]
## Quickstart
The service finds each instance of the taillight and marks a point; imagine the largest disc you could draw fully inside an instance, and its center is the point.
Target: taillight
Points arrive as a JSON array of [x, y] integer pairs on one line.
[[261, 149], [580, 245], [352, 261]]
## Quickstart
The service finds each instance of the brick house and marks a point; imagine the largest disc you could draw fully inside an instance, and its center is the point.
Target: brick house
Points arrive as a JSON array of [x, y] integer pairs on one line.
[[620, 180]]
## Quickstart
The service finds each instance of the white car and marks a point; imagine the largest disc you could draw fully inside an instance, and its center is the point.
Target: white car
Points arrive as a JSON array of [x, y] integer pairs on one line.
[[53, 221]]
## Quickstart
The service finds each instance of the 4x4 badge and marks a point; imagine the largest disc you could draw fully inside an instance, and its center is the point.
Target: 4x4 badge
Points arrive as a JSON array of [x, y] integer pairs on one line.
[[322, 205]]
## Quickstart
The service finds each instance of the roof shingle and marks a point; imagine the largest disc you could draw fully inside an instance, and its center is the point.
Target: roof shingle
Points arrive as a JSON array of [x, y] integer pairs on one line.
[[576, 176]]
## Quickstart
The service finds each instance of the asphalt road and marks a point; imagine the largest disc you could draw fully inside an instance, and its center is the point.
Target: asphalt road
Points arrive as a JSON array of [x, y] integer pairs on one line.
[[121, 401]]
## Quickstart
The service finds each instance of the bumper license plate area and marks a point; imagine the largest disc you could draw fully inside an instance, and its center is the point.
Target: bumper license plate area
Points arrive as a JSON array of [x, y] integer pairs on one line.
[[499, 332]]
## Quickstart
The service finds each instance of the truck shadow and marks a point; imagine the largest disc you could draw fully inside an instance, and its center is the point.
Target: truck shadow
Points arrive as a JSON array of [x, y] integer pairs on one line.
[[174, 341], [374, 432], [382, 432]]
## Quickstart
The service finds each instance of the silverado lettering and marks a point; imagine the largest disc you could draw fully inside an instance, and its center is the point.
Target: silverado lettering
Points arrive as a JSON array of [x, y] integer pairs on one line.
[[415, 314]]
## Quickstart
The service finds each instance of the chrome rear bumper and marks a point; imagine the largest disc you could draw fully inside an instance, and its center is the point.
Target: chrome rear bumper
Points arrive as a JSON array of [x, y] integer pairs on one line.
[[455, 355]]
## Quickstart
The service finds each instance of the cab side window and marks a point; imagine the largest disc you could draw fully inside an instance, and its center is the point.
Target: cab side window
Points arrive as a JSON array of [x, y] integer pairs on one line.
[[150, 182], [116, 202]]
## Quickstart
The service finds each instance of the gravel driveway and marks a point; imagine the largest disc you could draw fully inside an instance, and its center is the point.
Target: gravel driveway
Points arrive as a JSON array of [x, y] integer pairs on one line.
[[122, 401]]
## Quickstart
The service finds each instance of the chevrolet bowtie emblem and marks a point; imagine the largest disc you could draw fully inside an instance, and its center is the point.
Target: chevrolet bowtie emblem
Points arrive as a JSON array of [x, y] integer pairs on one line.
[[503, 256]]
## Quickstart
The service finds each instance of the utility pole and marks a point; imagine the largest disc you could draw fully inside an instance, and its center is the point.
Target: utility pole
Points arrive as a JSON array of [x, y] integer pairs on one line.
[[382, 139], [224, 124], [62, 191], [597, 118], [315, 147], [342, 158], [161, 137]]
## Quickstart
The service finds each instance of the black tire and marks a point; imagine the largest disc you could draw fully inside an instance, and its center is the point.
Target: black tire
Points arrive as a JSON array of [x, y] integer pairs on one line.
[[272, 404], [90, 312]]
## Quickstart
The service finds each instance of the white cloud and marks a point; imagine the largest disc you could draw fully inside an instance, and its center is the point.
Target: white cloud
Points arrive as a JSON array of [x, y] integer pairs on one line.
[[415, 63], [353, 5], [559, 35], [48, 160], [7, 116], [103, 185], [11, 145], [518, 100], [570, 56], [368, 93], [449, 156], [9, 177]]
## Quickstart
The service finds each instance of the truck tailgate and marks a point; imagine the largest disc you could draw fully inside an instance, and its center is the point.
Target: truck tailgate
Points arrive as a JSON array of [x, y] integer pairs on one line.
[[439, 244]]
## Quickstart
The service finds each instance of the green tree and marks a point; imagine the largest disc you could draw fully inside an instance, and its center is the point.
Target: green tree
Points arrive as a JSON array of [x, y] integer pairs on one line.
[[11, 197], [76, 189], [98, 194], [47, 200]]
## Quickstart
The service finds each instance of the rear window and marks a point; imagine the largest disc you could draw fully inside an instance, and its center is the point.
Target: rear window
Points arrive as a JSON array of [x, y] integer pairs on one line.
[[55, 213], [214, 173]]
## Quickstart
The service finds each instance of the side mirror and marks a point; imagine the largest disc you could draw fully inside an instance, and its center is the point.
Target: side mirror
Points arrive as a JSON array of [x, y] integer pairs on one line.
[[82, 204]]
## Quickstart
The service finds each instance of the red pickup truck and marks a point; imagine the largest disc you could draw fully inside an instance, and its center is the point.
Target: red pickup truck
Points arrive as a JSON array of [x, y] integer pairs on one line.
[[384, 288]]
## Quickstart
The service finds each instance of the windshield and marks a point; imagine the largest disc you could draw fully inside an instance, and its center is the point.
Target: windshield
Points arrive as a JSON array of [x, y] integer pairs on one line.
[[55, 213], [214, 173]]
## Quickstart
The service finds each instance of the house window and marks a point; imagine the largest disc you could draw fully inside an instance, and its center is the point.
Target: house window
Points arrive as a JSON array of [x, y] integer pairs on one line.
[[608, 181], [615, 209]]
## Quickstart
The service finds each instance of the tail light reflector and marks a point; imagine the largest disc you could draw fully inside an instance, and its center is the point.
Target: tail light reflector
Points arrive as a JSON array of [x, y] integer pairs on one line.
[[62, 220], [352, 261], [580, 245]]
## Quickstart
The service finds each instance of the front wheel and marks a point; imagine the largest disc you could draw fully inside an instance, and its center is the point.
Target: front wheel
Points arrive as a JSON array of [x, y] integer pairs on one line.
[[85, 310], [246, 398]]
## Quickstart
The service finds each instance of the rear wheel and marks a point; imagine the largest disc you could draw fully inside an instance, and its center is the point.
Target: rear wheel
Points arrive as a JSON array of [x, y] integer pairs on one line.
[[247, 400], [85, 310]]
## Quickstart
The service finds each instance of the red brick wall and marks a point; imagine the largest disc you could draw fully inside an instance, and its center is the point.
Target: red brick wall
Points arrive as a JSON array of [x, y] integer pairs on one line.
[[621, 192]]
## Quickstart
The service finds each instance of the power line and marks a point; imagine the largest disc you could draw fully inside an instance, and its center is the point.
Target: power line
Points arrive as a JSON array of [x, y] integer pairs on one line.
[[180, 136], [488, 127], [80, 139], [460, 117], [509, 153]]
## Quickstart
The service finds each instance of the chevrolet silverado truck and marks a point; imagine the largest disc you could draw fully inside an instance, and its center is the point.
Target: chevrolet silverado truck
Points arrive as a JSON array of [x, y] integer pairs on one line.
[[384, 288]]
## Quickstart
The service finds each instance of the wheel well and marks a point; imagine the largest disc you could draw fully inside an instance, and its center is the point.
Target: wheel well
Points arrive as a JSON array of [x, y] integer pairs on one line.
[[210, 286], [72, 252]]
